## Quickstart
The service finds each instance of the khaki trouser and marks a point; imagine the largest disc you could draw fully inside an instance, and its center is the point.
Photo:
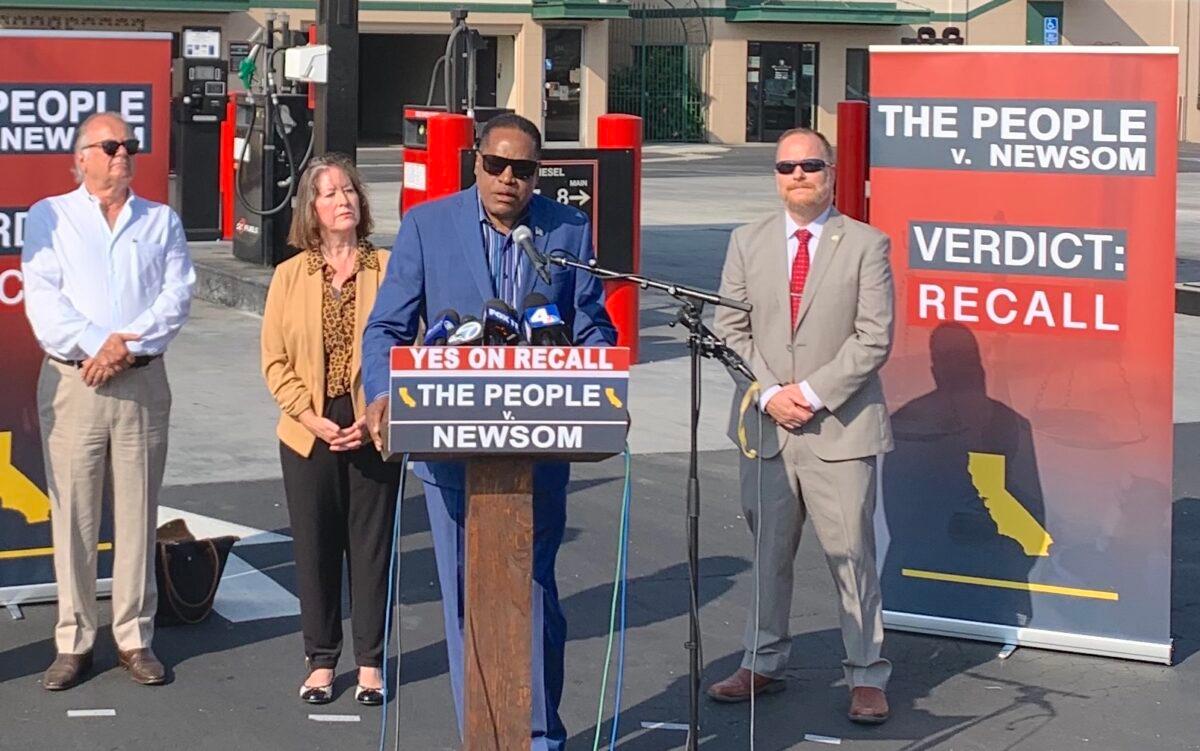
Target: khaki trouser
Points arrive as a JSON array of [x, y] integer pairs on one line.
[[839, 498], [116, 433]]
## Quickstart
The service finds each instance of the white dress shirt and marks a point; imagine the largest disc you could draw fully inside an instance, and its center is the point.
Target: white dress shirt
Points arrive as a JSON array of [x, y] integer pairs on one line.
[[84, 280], [793, 246]]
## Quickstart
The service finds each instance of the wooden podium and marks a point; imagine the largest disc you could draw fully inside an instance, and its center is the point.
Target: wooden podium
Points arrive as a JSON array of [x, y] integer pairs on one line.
[[501, 409]]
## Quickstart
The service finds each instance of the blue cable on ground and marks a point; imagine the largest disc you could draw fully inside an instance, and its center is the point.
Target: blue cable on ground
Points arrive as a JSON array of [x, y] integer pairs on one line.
[[393, 591], [625, 504], [618, 588]]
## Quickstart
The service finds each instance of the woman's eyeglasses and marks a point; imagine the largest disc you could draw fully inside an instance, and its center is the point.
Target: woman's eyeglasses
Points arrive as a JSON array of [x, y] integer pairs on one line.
[[110, 147]]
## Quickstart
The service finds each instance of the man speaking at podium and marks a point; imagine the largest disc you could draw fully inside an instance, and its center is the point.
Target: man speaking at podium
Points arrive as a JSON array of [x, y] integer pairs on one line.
[[457, 253]]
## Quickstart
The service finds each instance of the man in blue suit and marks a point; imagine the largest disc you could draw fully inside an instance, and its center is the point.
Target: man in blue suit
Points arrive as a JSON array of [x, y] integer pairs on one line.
[[457, 253]]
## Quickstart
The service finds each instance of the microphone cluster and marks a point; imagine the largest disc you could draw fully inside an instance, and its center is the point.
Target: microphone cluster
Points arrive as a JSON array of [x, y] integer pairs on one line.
[[539, 324]]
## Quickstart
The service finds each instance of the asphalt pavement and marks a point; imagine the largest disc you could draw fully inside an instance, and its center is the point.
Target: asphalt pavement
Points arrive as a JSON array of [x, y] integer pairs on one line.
[[234, 677]]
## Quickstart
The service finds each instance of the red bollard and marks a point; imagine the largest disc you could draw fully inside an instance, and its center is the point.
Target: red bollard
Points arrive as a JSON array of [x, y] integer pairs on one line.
[[625, 132], [449, 135], [226, 170], [852, 164]]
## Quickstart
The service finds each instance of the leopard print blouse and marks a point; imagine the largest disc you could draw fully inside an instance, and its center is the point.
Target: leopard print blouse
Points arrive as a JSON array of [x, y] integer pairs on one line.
[[337, 317]]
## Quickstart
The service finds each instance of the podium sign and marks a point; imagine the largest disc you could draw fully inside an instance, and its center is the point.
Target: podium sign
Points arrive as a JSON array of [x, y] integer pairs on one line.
[[502, 409], [537, 402]]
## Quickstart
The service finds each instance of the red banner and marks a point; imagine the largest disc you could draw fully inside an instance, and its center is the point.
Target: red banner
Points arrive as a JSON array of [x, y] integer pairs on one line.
[[49, 83], [1030, 197]]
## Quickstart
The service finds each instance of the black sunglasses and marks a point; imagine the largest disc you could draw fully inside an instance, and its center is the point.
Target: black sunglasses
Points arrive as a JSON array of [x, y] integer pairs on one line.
[[522, 169], [110, 146], [807, 165]]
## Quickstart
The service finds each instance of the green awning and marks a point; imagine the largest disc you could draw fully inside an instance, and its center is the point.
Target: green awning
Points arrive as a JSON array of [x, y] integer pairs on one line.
[[826, 11], [544, 10]]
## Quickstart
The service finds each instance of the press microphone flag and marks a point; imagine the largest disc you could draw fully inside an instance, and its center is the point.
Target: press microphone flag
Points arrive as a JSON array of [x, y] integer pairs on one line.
[[469, 331], [542, 323], [500, 324], [441, 328]]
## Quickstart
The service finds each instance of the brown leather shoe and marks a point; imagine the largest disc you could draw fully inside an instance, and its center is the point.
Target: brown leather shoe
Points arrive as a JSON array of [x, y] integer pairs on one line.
[[143, 666], [736, 688], [868, 706], [66, 671]]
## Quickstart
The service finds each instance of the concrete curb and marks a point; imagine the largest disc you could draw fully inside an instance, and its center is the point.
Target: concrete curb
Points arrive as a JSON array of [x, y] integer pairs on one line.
[[228, 281]]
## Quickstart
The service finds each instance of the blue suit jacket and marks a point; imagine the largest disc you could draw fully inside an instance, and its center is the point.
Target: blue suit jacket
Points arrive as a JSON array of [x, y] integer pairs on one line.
[[438, 262]]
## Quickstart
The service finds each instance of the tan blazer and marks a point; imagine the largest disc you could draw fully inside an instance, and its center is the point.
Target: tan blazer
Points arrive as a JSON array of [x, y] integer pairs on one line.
[[842, 339], [293, 349]]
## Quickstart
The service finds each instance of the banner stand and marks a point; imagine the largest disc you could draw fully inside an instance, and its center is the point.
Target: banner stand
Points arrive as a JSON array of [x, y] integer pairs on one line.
[[1030, 196], [50, 82]]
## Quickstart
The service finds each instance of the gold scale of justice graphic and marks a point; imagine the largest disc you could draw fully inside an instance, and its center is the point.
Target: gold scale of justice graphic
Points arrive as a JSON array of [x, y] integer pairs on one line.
[[19, 493]]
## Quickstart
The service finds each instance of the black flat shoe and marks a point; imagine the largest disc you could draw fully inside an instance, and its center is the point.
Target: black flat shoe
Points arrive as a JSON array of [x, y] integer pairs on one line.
[[316, 694], [370, 697]]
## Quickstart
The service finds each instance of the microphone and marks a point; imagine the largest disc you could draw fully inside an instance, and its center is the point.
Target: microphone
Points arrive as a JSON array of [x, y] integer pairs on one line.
[[542, 323], [523, 237], [500, 325], [469, 332], [440, 329]]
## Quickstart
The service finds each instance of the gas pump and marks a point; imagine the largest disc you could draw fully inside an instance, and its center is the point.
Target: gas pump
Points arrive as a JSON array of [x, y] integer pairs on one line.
[[457, 66], [197, 110], [275, 128]]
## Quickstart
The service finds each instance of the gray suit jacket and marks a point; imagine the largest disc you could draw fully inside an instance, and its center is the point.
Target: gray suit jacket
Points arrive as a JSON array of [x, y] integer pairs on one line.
[[843, 337]]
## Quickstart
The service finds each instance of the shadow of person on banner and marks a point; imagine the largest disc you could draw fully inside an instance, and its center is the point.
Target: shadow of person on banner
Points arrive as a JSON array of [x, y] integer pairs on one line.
[[962, 495]]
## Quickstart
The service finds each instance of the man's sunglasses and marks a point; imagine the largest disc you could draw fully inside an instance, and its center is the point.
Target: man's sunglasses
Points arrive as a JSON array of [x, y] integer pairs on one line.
[[807, 165], [110, 147], [522, 169]]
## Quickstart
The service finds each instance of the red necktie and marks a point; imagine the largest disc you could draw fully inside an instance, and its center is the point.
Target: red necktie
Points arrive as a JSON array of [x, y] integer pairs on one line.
[[799, 271]]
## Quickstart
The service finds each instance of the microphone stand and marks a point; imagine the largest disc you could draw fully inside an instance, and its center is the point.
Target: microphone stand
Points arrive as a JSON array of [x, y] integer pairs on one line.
[[702, 342]]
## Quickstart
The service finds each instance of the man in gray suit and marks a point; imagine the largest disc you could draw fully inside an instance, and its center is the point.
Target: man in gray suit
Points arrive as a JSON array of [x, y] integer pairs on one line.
[[821, 287]]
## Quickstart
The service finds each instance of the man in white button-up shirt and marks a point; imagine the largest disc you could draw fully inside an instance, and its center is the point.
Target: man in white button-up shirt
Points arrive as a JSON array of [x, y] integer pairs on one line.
[[821, 329], [108, 283]]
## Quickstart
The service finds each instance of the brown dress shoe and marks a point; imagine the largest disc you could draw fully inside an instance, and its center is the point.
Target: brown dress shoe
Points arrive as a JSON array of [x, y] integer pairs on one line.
[[143, 666], [868, 706], [66, 671], [736, 688]]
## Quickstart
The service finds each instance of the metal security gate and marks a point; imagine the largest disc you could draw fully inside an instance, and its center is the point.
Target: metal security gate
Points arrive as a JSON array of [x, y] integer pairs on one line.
[[658, 71]]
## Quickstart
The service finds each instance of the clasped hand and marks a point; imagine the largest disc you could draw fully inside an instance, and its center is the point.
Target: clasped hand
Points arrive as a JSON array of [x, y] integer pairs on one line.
[[349, 438], [790, 408], [112, 358]]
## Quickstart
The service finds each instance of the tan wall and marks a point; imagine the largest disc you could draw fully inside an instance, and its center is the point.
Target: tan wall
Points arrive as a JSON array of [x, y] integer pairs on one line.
[[727, 90], [1002, 25], [595, 80]]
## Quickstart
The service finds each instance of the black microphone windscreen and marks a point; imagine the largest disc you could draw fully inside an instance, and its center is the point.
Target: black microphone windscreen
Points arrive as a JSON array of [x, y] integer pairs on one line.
[[534, 299]]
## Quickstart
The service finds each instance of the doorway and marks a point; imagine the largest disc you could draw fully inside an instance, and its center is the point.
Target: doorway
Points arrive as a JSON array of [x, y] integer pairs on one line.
[[781, 88], [561, 95]]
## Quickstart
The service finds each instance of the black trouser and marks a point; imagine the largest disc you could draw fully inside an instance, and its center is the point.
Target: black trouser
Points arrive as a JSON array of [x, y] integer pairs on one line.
[[341, 505]]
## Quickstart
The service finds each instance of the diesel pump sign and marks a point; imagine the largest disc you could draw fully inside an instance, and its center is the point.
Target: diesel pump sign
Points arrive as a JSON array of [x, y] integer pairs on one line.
[[42, 118]]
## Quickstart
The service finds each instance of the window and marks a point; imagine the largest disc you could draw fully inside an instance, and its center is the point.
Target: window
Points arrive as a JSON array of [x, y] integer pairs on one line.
[[857, 74]]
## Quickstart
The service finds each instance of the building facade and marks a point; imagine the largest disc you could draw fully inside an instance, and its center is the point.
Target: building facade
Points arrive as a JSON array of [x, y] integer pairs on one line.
[[720, 71]]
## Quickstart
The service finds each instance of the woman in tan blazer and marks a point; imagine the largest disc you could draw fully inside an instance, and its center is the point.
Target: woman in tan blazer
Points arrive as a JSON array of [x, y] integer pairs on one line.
[[341, 495]]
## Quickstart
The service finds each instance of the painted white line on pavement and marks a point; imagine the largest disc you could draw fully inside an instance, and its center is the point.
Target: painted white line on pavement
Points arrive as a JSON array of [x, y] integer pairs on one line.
[[335, 718], [823, 739], [206, 526], [247, 594], [91, 713], [665, 726]]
